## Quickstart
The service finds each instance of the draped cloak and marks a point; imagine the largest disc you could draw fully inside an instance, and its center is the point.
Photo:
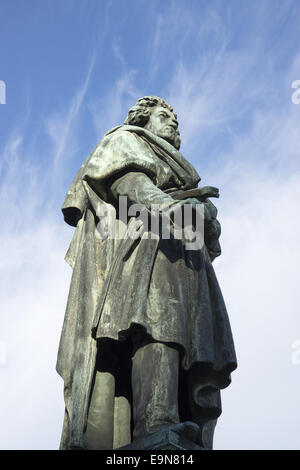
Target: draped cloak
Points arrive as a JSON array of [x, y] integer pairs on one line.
[[119, 282]]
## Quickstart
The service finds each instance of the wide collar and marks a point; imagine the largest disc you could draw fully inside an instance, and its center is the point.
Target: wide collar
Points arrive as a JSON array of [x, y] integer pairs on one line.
[[175, 159]]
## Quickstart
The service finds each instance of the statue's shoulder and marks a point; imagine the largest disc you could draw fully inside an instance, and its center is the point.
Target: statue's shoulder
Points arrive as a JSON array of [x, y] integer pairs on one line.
[[120, 139], [119, 133]]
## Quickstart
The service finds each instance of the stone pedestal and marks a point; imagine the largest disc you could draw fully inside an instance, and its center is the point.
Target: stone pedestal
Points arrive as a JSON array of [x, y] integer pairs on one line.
[[180, 436]]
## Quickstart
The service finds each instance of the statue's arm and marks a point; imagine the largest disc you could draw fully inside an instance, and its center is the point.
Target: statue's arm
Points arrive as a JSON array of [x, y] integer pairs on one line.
[[139, 189]]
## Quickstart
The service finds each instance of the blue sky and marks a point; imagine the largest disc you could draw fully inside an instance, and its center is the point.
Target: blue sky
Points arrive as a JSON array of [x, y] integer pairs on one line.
[[72, 69]]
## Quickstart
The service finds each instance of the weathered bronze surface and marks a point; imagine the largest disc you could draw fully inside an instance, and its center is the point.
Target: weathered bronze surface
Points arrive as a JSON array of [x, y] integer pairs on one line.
[[146, 341]]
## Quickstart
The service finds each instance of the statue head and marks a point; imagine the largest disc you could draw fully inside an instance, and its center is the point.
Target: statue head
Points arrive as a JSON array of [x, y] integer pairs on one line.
[[156, 115]]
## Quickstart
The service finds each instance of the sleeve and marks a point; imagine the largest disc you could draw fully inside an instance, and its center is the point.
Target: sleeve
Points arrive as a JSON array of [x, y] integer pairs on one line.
[[139, 189]]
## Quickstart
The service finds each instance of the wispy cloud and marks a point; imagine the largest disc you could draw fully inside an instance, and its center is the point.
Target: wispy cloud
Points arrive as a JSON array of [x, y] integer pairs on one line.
[[172, 27], [116, 47], [61, 126], [111, 110]]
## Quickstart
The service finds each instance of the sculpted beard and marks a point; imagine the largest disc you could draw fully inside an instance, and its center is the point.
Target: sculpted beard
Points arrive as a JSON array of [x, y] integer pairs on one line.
[[168, 133]]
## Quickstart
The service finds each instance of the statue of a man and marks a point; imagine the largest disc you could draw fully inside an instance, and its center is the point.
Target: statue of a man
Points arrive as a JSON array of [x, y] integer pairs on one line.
[[146, 341]]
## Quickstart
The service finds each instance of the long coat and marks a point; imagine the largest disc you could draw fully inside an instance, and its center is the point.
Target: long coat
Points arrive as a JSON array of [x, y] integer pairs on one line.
[[171, 292]]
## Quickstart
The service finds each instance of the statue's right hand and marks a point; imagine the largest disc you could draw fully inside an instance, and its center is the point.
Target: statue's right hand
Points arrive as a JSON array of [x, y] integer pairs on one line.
[[209, 209]]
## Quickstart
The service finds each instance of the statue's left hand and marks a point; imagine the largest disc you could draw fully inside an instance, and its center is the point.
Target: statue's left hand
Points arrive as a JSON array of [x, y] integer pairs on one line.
[[212, 227], [212, 230]]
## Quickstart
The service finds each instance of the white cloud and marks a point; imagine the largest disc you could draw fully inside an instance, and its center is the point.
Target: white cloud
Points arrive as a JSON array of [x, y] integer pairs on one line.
[[34, 285], [33, 297], [33, 292], [258, 273]]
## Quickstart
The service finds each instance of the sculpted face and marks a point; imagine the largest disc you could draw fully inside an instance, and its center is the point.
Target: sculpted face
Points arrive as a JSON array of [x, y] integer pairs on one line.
[[163, 123]]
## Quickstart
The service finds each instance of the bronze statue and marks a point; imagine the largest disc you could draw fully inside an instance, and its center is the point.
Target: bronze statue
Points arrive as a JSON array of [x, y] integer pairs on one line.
[[146, 341]]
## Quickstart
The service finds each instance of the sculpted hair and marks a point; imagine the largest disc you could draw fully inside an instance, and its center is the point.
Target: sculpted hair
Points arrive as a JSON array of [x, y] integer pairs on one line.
[[139, 114]]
